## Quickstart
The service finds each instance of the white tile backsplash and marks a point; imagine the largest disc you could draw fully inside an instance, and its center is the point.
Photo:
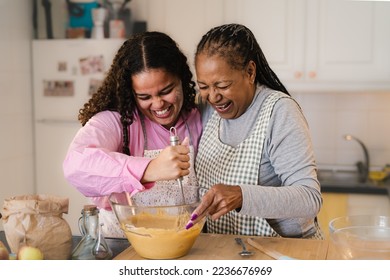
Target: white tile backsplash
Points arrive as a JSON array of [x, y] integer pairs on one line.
[[331, 115]]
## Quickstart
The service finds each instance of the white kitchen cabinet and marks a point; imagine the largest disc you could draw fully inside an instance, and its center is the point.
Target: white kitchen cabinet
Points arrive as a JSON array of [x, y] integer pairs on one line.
[[321, 44], [348, 42], [185, 20], [278, 26]]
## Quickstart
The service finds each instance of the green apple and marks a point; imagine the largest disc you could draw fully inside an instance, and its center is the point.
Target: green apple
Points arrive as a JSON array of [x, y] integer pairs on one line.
[[4, 254], [27, 252]]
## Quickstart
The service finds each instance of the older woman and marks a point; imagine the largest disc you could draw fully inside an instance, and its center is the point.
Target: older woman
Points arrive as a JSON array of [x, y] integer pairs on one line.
[[255, 157]]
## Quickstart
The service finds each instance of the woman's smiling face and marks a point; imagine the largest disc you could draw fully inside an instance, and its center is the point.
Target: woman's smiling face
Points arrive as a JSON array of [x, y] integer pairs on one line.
[[159, 96], [228, 90]]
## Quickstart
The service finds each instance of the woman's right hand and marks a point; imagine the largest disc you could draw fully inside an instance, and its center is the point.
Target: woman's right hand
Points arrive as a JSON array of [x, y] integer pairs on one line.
[[218, 200], [172, 163]]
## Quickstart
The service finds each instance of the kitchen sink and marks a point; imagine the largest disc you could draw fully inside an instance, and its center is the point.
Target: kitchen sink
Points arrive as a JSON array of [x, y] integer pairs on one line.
[[347, 181]]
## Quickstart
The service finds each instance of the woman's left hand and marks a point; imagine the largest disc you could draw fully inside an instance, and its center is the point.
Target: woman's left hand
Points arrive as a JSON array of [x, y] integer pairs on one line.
[[219, 200]]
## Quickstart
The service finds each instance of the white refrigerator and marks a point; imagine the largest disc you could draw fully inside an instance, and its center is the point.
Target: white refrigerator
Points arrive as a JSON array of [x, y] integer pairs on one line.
[[65, 73]]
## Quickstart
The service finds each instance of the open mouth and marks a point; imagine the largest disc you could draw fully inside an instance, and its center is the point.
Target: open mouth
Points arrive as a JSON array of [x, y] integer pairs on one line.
[[223, 108], [162, 113]]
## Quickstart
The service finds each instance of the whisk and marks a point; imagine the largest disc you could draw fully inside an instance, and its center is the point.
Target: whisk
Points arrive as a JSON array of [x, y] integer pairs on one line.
[[174, 140]]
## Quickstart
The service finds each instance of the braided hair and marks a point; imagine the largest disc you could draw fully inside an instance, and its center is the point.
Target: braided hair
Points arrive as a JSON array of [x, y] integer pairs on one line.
[[148, 50], [237, 44]]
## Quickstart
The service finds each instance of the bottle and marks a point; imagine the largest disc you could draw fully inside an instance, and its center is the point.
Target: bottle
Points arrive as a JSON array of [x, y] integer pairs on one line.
[[99, 17], [92, 245]]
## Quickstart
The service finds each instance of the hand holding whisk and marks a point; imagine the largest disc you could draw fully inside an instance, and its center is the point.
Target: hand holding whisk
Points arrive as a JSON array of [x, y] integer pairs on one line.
[[174, 140]]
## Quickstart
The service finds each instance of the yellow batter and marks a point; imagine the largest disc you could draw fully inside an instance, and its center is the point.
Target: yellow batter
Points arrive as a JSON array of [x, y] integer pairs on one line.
[[161, 236]]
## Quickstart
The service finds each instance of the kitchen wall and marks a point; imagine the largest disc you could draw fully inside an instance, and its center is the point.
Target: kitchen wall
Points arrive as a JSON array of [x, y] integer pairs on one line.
[[16, 138], [330, 115]]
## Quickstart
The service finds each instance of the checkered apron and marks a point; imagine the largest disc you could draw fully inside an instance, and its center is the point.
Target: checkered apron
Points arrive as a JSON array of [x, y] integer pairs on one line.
[[217, 162]]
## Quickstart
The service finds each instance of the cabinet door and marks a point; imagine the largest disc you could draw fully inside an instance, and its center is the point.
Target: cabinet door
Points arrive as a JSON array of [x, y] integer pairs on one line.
[[348, 41], [185, 20], [320, 44], [278, 26]]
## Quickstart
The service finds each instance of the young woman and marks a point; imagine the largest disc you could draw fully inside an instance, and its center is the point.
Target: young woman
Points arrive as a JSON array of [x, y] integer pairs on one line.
[[124, 143]]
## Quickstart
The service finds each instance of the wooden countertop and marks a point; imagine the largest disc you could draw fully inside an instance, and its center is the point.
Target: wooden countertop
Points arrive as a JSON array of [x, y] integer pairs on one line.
[[224, 247]]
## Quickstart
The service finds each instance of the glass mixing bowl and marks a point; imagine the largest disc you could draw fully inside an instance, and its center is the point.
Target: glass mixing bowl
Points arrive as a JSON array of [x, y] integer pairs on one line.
[[361, 237], [154, 220]]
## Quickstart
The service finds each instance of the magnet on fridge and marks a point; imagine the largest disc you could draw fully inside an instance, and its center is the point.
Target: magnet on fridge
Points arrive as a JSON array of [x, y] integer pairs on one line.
[[55, 88], [92, 64], [94, 85], [62, 66]]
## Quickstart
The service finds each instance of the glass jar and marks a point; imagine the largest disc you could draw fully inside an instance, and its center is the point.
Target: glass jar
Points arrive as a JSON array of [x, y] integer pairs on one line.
[[92, 245]]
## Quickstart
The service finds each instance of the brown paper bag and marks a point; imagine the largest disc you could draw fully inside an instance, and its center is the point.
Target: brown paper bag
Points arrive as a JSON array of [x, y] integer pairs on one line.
[[36, 220]]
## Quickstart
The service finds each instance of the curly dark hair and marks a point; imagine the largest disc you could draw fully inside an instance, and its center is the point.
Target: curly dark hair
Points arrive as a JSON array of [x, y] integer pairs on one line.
[[148, 50], [237, 44]]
